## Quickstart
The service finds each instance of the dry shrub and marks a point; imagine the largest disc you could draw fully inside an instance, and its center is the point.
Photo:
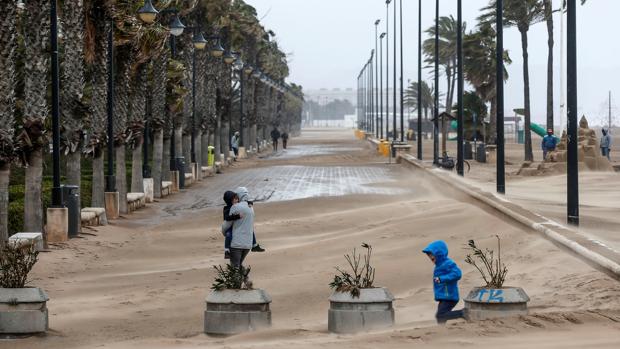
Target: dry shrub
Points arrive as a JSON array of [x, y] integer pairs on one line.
[[16, 262]]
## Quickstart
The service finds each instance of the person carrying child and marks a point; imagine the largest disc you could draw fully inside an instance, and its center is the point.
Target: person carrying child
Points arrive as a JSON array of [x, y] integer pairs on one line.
[[445, 282], [231, 198]]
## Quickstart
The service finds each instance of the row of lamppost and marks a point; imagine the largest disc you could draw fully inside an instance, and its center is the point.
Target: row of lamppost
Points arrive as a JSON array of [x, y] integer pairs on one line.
[[147, 14], [372, 111]]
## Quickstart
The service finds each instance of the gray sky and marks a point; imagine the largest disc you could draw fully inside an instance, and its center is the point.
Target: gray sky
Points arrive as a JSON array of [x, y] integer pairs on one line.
[[330, 40]]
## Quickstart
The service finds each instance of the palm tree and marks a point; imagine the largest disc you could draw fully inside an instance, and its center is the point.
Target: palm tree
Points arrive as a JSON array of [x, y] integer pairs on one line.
[[8, 45], [33, 138], [74, 110], [427, 102], [521, 14], [479, 68], [549, 19], [158, 119]]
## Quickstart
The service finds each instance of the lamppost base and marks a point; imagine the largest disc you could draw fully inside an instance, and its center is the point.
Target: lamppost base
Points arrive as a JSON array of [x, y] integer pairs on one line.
[[149, 191], [174, 178], [196, 172], [112, 205], [57, 227], [242, 153], [110, 183]]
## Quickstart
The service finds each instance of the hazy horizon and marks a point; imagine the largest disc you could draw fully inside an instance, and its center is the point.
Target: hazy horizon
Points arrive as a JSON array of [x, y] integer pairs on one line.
[[330, 41]]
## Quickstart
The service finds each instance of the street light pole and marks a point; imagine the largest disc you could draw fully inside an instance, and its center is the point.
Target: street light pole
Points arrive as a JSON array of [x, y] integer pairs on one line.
[[572, 183], [461, 119], [499, 65], [193, 129], [394, 80], [111, 178], [420, 79], [387, 70], [56, 190], [402, 96], [173, 165], [146, 168], [376, 85], [436, 107], [381, 81], [241, 106]]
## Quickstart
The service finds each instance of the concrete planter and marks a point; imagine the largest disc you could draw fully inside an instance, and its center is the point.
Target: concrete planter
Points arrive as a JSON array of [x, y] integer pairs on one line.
[[485, 303], [371, 311], [23, 310], [236, 311]]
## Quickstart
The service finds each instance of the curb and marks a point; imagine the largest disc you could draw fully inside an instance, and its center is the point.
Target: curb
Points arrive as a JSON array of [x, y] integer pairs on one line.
[[501, 206]]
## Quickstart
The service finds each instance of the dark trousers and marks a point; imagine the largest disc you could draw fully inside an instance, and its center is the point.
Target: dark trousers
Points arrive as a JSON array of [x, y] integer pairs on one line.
[[237, 256], [228, 239], [284, 141], [445, 312], [275, 145], [236, 151]]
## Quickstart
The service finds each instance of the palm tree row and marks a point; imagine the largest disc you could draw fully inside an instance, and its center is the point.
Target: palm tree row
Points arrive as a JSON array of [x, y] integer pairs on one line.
[[152, 87], [479, 58]]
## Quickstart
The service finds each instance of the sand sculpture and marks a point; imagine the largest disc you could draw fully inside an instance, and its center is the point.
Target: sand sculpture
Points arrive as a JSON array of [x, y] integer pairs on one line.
[[590, 158]]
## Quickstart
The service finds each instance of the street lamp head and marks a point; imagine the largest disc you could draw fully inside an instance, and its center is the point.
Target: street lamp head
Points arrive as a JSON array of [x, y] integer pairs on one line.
[[229, 58], [147, 13], [248, 69], [377, 22], [217, 50], [199, 41], [176, 26], [382, 36], [256, 74], [387, 2], [238, 64]]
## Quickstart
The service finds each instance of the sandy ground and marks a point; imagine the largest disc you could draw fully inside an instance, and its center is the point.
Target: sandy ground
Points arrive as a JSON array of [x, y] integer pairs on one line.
[[141, 282], [546, 194]]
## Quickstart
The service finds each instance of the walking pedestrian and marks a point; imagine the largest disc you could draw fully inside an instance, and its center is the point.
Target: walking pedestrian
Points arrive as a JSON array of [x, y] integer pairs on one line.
[[275, 135], [234, 143], [549, 143], [606, 144], [284, 139]]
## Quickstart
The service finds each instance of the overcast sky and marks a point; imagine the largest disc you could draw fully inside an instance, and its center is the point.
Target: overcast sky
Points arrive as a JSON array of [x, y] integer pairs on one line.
[[330, 40]]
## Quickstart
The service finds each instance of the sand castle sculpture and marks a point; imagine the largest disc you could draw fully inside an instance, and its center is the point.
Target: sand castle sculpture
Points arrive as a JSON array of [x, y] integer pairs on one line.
[[590, 158]]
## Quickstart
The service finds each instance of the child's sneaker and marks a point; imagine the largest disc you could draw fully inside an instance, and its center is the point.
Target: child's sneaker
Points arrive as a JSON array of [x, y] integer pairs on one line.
[[226, 254], [257, 248]]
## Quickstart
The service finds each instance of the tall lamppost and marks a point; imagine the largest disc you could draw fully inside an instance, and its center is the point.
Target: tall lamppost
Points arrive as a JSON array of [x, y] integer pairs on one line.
[[110, 183], [436, 106], [394, 80], [200, 43], [56, 190], [499, 65], [381, 37], [402, 96], [376, 85], [459, 54], [420, 79], [572, 183], [387, 70]]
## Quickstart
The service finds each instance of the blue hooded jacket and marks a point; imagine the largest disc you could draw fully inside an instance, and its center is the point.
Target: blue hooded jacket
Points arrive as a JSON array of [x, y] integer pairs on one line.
[[446, 270]]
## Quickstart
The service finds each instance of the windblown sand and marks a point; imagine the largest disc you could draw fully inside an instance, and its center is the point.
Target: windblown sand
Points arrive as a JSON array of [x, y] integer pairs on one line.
[[142, 282]]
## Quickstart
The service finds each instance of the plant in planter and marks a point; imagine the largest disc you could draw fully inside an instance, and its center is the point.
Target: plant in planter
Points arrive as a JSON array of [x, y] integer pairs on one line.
[[234, 306], [356, 305], [494, 299], [23, 309]]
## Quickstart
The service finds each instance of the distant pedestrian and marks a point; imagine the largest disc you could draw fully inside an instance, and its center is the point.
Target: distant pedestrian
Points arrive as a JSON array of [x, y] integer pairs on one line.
[[284, 139], [606, 144], [275, 136], [234, 143], [445, 282], [549, 143]]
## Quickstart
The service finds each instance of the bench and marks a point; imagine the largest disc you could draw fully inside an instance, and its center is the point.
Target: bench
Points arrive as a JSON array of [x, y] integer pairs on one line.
[[99, 219], [166, 188], [207, 171], [28, 239], [189, 179], [135, 201]]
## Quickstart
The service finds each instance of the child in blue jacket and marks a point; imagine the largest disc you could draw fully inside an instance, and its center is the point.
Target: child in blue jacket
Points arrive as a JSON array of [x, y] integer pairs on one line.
[[445, 282]]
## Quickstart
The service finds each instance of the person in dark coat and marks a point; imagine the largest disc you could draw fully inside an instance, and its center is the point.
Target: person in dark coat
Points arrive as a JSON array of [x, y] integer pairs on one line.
[[275, 135], [284, 139]]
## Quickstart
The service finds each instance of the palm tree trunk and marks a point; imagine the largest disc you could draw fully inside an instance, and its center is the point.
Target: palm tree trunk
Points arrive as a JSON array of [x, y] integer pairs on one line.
[[98, 187], [121, 177], [529, 156], [137, 181], [165, 162], [198, 147], [217, 138], [5, 173], [204, 148], [550, 43], [33, 208], [74, 170], [178, 142], [158, 152], [187, 153]]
